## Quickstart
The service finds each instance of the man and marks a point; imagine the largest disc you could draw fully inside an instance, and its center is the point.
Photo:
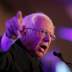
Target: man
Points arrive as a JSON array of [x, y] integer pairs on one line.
[[35, 36]]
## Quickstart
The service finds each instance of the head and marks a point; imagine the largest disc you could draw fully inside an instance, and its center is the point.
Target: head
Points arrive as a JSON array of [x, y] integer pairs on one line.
[[38, 33]]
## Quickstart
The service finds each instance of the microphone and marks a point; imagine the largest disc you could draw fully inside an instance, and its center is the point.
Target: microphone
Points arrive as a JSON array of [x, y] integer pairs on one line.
[[56, 54], [59, 55]]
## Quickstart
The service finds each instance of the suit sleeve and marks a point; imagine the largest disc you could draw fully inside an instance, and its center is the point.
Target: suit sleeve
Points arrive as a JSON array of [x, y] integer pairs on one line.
[[6, 43], [5, 61]]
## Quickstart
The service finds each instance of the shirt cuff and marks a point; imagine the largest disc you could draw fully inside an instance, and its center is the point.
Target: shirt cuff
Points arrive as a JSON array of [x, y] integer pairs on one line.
[[6, 43]]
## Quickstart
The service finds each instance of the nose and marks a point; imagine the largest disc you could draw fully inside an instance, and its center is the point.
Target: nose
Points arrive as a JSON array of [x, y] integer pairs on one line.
[[46, 38]]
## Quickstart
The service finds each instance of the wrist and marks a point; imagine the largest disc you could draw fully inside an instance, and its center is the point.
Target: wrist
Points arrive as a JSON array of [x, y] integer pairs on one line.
[[11, 36]]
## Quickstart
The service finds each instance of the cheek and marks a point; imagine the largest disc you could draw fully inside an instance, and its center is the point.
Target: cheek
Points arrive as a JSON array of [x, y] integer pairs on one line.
[[36, 39], [49, 44], [32, 39], [50, 39]]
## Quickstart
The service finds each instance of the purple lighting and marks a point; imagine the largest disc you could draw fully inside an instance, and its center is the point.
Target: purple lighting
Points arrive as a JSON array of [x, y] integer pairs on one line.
[[65, 33]]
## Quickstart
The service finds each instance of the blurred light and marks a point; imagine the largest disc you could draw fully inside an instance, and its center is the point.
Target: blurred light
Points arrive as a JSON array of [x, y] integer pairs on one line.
[[65, 33], [62, 67]]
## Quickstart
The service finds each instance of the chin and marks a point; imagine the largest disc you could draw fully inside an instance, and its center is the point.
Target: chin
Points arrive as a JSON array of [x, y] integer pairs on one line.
[[39, 55]]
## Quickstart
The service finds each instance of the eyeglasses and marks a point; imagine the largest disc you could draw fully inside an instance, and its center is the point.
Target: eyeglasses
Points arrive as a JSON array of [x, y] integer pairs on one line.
[[42, 31]]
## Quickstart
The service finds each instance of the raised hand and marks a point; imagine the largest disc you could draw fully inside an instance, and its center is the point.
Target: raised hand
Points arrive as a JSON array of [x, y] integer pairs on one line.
[[14, 25]]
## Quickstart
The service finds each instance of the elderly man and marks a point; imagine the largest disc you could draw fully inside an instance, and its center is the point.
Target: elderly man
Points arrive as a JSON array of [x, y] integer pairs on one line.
[[35, 34]]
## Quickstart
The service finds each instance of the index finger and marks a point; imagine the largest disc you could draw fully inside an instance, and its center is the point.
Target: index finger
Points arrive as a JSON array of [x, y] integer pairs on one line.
[[19, 19]]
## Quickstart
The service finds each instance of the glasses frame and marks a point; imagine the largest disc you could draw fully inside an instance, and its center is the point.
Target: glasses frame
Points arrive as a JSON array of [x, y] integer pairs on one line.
[[46, 33]]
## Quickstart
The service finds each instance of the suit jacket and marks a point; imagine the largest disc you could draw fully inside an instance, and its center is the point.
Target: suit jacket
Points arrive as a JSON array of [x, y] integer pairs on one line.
[[18, 59], [0, 41]]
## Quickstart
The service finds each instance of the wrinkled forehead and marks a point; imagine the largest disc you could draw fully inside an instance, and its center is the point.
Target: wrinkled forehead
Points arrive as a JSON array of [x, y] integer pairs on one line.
[[44, 23]]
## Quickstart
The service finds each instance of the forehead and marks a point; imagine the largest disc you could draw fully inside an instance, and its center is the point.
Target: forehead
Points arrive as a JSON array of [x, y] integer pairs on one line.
[[44, 24]]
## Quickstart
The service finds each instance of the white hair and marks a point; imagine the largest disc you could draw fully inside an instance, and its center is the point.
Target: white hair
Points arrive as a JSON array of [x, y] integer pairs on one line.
[[35, 15], [32, 17]]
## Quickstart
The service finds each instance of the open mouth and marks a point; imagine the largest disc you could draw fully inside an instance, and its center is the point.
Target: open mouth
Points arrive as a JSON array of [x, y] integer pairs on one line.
[[42, 48]]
